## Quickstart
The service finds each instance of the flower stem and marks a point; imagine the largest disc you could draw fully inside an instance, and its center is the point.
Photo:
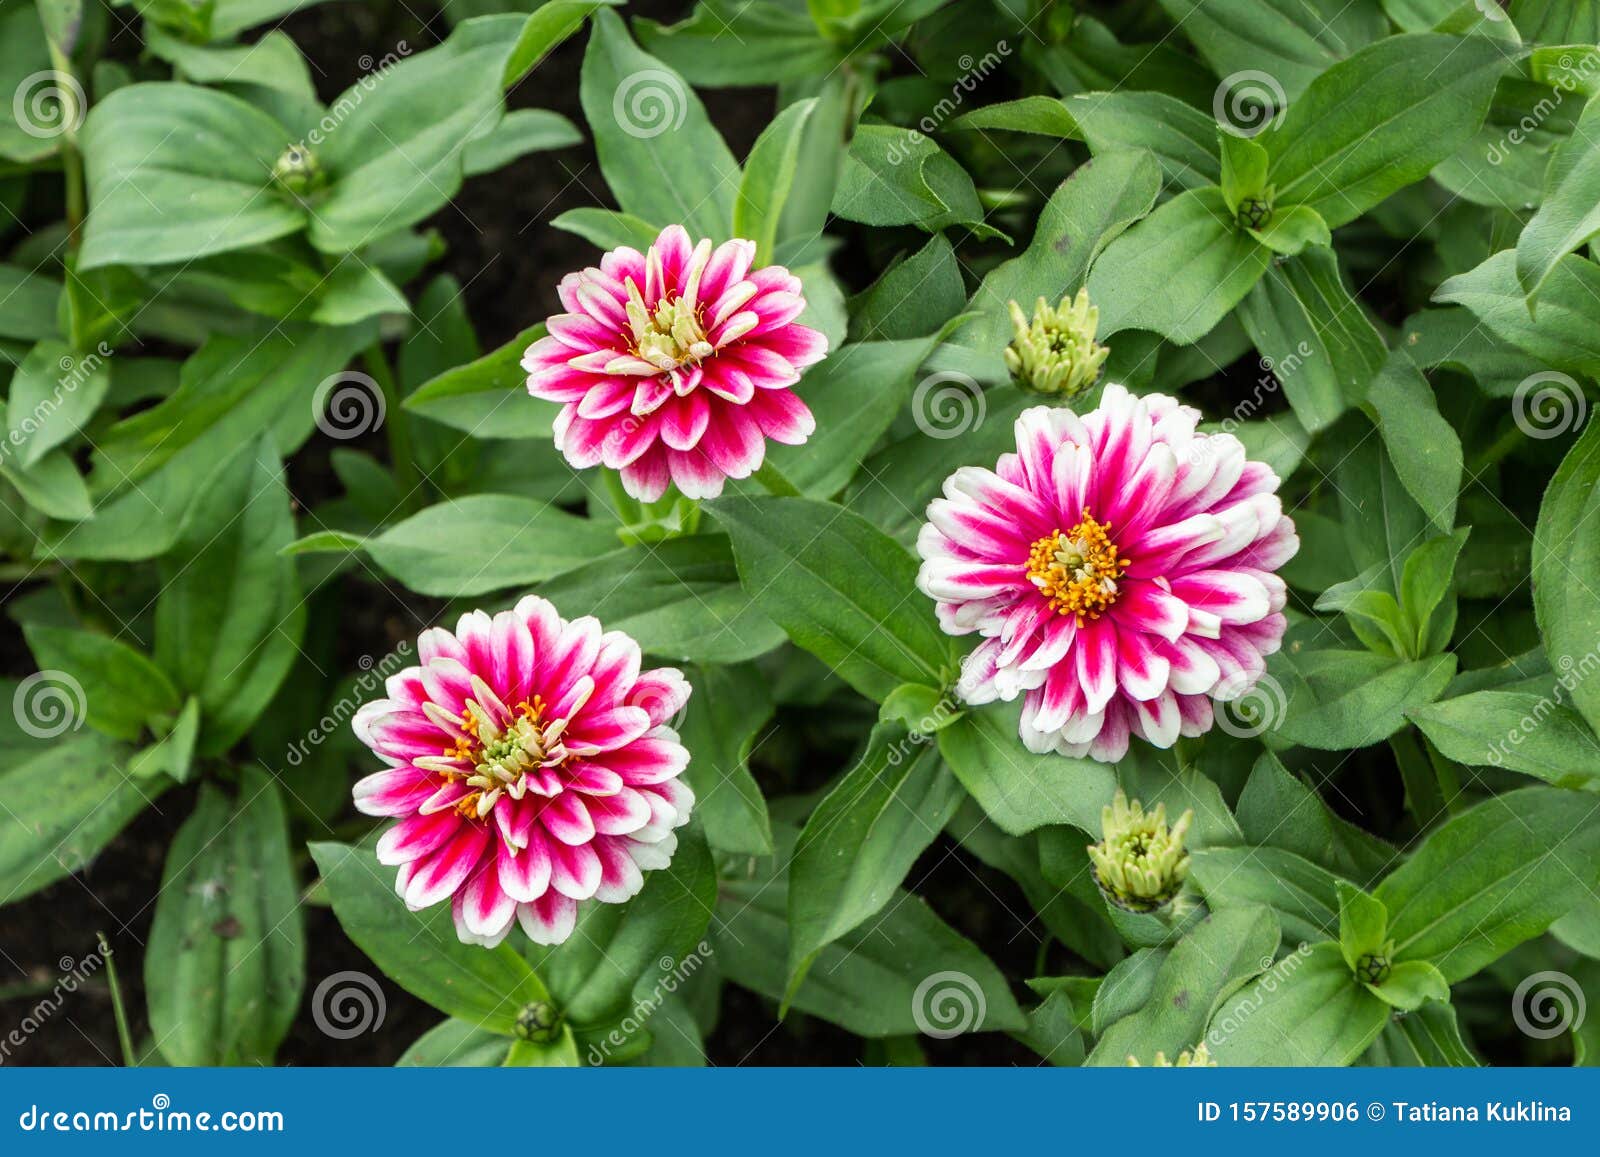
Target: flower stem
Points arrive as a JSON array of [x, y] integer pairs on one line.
[[396, 425], [124, 1036], [772, 478], [71, 156]]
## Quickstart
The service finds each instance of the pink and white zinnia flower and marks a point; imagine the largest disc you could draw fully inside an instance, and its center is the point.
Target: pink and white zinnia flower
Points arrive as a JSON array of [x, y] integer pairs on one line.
[[530, 767], [1120, 568], [675, 365]]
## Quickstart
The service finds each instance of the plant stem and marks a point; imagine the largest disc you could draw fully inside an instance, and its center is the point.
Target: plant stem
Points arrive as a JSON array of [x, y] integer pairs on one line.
[[772, 478], [124, 1036], [396, 425], [71, 157]]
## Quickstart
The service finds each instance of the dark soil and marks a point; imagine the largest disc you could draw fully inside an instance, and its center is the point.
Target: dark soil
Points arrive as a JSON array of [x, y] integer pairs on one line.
[[508, 261]]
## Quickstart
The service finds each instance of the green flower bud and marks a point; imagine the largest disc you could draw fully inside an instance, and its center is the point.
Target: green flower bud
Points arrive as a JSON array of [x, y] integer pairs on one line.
[[1139, 863], [1254, 213], [296, 170], [539, 1021], [1055, 352], [1373, 967], [1197, 1058]]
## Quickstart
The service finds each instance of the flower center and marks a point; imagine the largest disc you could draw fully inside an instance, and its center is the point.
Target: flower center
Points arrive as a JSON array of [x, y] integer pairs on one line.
[[669, 336], [501, 756], [1077, 571]]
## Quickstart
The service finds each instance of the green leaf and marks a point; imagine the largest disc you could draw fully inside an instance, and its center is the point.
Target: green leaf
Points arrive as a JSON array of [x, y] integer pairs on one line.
[[225, 964], [897, 176], [272, 62], [1303, 895], [53, 487], [1428, 1036], [122, 691], [1519, 730], [486, 542], [1313, 337], [906, 973], [1244, 169], [862, 839], [1183, 139], [1379, 120], [838, 587], [456, 1044], [27, 304], [662, 158], [519, 133], [173, 753], [420, 951], [769, 174], [151, 148], [154, 464], [488, 397], [1423, 447], [561, 1053], [728, 708], [1427, 592], [915, 297], [1190, 981], [1344, 699], [230, 615], [1410, 984], [1085, 213], [1492, 877], [606, 229], [1564, 338], [1292, 230], [623, 949], [63, 804], [1021, 791], [1044, 115], [397, 154], [547, 26], [742, 42], [1363, 924], [1292, 42], [1179, 271], [681, 600], [1277, 808], [1313, 1013], [1569, 214], [53, 394], [1566, 552]]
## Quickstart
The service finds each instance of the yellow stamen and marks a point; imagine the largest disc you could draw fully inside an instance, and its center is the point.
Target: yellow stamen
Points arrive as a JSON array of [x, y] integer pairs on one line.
[[1077, 571]]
